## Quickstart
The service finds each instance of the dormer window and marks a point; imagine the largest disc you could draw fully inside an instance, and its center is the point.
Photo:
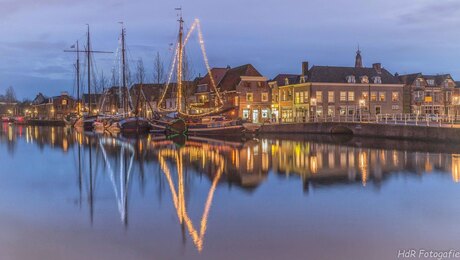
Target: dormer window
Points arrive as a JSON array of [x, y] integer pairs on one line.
[[302, 79], [286, 81], [364, 79], [351, 79], [430, 82], [377, 80]]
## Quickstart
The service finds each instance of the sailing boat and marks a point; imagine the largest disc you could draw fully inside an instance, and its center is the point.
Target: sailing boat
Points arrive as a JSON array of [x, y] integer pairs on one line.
[[211, 121], [130, 124]]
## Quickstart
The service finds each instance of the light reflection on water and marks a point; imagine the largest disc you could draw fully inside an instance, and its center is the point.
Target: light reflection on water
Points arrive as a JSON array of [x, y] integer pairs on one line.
[[199, 181]]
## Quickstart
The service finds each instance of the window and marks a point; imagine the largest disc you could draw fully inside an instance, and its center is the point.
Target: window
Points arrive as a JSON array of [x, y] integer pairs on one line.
[[245, 113], [377, 80], [302, 79], [364, 79], [64, 102], [395, 107], [395, 96], [365, 95], [351, 111], [286, 81], [259, 84], [319, 111], [297, 97], [264, 97], [236, 101], [351, 79], [430, 82], [264, 113], [330, 96], [382, 96], [343, 96], [373, 96], [274, 97], [319, 96], [351, 96], [330, 110], [342, 110], [378, 110], [305, 96], [249, 97]]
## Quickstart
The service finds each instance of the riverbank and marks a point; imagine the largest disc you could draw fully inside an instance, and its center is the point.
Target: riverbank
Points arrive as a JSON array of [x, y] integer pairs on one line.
[[412, 132]]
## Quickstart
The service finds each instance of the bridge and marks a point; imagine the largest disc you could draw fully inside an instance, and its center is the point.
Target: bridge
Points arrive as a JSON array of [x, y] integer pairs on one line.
[[427, 128]]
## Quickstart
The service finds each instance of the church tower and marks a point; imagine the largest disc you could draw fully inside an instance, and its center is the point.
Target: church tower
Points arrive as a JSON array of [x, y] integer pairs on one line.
[[359, 59]]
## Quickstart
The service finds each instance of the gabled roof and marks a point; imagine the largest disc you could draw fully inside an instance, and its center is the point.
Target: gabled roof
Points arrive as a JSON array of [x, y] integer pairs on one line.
[[331, 74], [281, 79], [409, 79], [217, 74], [438, 79], [233, 76]]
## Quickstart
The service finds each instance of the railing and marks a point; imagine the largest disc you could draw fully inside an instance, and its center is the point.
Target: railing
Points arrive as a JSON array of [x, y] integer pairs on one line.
[[395, 119]]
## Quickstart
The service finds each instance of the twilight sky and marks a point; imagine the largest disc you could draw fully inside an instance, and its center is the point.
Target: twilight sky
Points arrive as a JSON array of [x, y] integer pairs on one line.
[[275, 36]]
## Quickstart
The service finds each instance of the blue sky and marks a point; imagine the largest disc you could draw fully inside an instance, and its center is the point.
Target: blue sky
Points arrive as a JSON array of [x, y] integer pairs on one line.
[[275, 36]]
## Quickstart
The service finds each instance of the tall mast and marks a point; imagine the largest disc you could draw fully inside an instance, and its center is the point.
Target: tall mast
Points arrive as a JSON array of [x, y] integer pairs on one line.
[[123, 60], [88, 53], [179, 65], [78, 79]]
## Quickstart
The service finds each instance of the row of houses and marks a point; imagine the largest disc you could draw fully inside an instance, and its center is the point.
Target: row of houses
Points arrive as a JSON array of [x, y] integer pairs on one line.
[[318, 91]]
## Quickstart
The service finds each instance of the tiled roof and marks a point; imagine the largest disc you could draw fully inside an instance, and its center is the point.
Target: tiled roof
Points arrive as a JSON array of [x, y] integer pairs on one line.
[[409, 79], [233, 76], [217, 74], [281, 79], [329, 74]]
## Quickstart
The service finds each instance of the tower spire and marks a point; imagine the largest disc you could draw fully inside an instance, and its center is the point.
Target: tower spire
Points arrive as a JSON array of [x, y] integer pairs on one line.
[[359, 59]]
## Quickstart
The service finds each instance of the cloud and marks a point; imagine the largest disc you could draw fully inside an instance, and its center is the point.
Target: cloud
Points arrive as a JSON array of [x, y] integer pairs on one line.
[[431, 14]]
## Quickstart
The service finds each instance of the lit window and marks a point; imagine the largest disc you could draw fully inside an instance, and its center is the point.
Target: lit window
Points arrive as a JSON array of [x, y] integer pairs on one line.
[[245, 113], [264, 113], [343, 110], [64, 102], [365, 95], [364, 79], [305, 96], [319, 96], [264, 97], [351, 96], [330, 110], [249, 97], [236, 101], [373, 96], [343, 96], [382, 96], [395, 96], [297, 97], [330, 96]]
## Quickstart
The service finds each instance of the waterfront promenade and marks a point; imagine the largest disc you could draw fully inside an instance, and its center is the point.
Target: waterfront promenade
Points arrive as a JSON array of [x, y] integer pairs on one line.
[[446, 129]]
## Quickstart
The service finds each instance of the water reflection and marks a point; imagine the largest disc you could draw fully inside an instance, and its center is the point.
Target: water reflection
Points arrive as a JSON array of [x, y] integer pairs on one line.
[[115, 163]]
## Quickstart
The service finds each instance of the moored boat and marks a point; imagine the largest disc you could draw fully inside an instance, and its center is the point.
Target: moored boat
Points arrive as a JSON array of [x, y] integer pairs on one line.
[[135, 125]]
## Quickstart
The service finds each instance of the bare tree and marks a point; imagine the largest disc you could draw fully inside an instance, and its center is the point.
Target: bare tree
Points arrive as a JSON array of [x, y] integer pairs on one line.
[[10, 95], [158, 69], [140, 71], [188, 77]]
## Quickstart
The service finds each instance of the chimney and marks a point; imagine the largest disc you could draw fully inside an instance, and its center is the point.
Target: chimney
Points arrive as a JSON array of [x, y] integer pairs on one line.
[[304, 68], [377, 67]]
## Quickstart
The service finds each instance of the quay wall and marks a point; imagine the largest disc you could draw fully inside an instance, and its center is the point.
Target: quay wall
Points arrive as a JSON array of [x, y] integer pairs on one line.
[[445, 134], [38, 122]]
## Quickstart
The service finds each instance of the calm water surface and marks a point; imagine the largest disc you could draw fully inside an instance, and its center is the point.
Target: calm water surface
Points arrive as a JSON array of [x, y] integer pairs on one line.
[[68, 195]]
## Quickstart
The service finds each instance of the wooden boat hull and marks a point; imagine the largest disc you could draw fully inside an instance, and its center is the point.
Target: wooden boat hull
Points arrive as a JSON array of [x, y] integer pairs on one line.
[[135, 125]]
